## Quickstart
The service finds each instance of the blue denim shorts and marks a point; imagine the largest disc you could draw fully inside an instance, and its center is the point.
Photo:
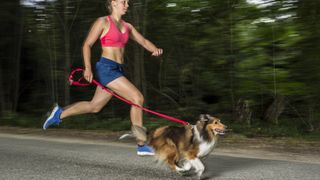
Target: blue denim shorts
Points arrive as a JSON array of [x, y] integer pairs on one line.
[[108, 70]]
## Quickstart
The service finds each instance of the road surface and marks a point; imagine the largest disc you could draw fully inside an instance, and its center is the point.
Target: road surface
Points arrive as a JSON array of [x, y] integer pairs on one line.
[[30, 157]]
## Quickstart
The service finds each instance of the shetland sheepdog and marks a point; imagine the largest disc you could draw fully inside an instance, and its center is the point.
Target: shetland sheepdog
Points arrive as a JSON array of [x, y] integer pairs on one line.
[[183, 147]]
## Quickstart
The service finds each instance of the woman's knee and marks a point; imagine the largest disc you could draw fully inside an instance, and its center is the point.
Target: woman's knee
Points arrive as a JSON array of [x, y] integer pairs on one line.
[[138, 98], [94, 108]]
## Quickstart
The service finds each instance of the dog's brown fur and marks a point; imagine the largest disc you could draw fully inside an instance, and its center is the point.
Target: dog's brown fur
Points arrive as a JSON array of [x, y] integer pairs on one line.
[[174, 144]]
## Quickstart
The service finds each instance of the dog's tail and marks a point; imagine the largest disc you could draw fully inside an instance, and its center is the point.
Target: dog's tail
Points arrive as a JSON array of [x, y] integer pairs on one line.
[[126, 136]]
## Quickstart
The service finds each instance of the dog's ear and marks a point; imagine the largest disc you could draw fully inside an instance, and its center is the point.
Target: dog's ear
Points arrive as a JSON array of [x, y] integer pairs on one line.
[[202, 117], [200, 125], [205, 117]]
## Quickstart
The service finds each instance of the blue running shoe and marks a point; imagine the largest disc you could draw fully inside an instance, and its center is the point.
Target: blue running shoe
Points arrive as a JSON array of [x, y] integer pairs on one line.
[[145, 150], [54, 118]]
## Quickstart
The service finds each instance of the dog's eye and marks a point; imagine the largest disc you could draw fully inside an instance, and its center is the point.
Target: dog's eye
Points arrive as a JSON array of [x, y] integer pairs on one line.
[[216, 122]]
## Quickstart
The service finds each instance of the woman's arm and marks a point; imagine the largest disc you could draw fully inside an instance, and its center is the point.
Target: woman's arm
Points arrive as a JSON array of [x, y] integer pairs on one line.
[[92, 37], [136, 36]]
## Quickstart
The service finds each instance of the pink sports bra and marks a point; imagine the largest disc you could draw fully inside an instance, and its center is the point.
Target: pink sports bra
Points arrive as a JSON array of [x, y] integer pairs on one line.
[[115, 38]]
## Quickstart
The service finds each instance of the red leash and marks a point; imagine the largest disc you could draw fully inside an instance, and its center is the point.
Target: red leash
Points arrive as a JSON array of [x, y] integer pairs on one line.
[[79, 83]]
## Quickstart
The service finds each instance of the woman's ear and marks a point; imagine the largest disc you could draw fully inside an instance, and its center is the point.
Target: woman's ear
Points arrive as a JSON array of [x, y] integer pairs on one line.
[[113, 3]]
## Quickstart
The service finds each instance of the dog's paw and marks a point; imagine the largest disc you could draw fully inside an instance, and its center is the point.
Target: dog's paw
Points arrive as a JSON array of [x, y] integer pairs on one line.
[[187, 173]]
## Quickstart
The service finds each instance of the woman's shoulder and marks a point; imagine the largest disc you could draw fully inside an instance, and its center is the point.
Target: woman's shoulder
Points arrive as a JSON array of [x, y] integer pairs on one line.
[[102, 21], [128, 25]]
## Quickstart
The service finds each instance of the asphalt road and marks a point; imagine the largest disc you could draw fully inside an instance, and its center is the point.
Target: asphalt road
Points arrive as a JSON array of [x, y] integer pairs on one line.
[[51, 158]]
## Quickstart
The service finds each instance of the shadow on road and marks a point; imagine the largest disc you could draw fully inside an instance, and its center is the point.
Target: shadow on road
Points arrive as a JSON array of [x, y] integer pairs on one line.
[[218, 165]]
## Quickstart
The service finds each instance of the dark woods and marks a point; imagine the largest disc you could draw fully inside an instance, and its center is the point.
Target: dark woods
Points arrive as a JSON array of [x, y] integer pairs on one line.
[[253, 63]]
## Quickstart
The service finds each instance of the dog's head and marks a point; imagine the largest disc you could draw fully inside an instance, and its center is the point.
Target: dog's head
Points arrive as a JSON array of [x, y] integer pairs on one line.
[[211, 124]]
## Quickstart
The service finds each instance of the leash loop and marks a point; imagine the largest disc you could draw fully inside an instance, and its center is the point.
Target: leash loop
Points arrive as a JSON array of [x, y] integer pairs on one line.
[[79, 83]]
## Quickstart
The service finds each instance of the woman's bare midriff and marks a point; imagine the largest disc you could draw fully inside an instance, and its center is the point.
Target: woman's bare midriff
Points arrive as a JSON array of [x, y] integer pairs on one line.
[[113, 53]]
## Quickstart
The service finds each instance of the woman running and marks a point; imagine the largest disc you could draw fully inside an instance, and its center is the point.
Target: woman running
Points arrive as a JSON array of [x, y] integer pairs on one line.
[[113, 33]]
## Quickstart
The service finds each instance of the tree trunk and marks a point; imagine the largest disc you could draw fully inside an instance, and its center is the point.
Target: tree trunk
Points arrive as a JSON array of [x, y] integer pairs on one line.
[[275, 109], [138, 65], [66, 53], [53, 67], [67, 69], [243, 112], [310, 119], [17, 57], [232, 59], [2, 106]]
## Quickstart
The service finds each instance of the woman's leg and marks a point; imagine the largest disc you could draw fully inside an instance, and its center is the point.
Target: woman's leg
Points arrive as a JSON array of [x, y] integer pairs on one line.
[[99, 100], [126, 89]]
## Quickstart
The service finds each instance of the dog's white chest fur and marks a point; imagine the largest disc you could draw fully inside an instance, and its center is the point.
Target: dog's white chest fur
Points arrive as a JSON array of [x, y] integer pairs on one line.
[[205, 148]]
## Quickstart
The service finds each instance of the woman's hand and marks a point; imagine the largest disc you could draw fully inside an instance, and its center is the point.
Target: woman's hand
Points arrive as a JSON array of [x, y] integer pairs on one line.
[[157, 52], [87, 74]]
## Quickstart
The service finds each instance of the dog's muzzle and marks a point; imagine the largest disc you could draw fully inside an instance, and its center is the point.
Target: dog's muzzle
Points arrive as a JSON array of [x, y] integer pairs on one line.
[[219, 131]]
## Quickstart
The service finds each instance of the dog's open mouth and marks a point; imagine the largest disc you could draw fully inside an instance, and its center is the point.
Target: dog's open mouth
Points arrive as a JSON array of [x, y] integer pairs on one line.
[[219, 131]]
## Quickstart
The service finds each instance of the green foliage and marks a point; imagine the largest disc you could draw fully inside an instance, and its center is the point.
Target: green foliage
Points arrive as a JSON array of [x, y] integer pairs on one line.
[[21, 120], [94, 122], [268, 130]]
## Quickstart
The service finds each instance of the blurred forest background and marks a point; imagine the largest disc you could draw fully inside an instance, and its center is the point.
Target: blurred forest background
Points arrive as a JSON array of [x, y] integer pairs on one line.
[[253, 63]]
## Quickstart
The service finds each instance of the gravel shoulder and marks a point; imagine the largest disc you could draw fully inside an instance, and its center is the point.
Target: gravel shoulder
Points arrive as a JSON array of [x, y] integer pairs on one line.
[[286, 149]]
